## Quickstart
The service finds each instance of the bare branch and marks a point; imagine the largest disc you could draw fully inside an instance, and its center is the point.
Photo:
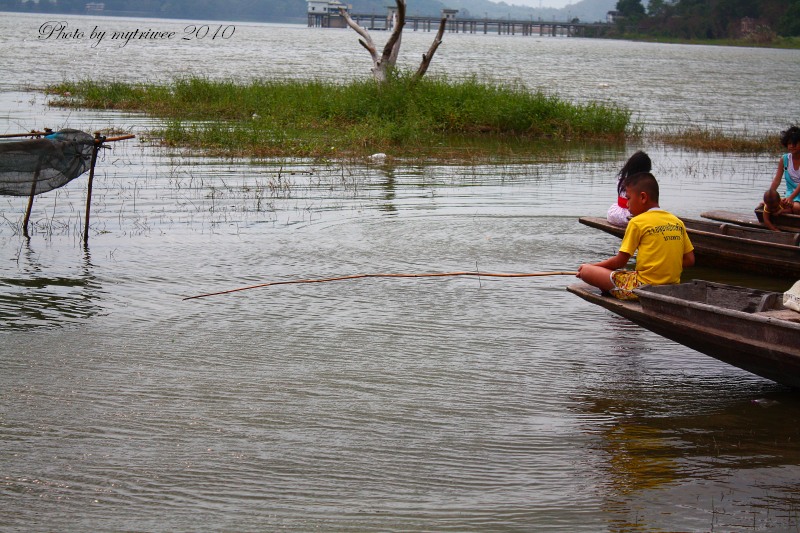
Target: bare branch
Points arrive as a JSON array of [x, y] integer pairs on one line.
[[392, 47], [426, 58], [382, 65], [367, 40]]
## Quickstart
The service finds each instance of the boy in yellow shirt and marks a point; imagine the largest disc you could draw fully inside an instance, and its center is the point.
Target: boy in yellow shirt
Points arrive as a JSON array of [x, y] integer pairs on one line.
[[664, 249], [772, 206]]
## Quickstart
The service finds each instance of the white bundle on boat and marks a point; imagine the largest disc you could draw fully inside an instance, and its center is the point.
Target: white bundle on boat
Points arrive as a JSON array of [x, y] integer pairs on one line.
[[791, 298]]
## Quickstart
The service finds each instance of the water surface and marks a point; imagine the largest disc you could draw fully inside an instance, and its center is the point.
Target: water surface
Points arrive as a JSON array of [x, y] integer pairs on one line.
[[456, 404]]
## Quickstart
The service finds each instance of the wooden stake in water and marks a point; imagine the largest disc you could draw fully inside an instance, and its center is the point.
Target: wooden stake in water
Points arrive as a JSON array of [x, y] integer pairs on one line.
[[390, 275], [30, 198], [98, 142]]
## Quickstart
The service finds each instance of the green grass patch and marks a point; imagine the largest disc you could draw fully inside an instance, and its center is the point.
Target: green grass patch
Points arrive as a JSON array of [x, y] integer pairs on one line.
[[317, 118]]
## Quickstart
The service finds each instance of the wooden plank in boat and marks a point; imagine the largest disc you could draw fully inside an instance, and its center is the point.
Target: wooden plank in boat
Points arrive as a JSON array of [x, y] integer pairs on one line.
[[782, 222], [743, 219], [783, 314]]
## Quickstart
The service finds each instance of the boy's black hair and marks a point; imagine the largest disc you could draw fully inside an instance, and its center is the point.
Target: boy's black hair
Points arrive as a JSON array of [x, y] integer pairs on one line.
[[646, 182], [792, 135], [638, 162], [771, 197]]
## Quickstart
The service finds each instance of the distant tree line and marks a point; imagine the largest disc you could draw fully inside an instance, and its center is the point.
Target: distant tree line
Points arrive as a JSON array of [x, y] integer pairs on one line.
[[758, 20]]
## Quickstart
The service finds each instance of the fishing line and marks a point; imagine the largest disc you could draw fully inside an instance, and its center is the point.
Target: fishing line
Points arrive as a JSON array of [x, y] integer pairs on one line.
[[390, 275]]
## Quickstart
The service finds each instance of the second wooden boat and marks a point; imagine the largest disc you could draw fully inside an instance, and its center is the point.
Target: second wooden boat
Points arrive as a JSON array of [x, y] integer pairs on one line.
[[732, 247], [782, 222]]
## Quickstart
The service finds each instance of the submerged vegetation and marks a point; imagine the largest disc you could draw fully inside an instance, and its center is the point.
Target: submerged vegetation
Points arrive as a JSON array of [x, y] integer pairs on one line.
[[324, 119], [709, 140]]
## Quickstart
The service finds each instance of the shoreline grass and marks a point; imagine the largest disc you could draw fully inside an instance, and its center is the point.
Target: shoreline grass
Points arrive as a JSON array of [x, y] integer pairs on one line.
[[711, 140], [785, 43], [322, 119]]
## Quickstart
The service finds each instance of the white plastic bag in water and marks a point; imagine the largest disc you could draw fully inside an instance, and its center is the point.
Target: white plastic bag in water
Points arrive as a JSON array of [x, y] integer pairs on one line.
[[791, 298]]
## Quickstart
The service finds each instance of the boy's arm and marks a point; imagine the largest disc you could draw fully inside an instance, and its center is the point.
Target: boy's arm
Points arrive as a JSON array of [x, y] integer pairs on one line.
[[616, 262], [619, 260], [767, 222], [688, 259]]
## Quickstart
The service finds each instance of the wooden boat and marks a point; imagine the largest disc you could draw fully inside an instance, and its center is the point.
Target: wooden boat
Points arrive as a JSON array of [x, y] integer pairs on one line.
[[732, 247], [747, 328], [782, 222]]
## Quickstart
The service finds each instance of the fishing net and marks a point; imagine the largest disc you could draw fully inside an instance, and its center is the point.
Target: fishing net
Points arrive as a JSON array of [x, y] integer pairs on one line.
[[52, 162]]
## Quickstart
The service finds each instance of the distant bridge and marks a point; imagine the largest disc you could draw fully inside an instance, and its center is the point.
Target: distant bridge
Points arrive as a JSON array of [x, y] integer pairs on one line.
[[504, 26], [466, 25]]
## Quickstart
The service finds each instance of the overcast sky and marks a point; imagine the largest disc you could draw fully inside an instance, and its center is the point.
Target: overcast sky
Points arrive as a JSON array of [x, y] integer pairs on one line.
[[542, 3]]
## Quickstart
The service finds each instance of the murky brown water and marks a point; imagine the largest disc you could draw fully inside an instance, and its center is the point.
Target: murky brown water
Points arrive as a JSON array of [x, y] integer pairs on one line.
[[456, 404]]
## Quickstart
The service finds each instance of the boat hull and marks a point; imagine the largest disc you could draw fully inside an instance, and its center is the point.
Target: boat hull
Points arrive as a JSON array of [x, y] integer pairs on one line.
[[762, 343]]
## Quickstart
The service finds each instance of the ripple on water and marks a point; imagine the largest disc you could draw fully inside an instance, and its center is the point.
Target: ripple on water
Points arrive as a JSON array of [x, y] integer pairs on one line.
[[376, 404]]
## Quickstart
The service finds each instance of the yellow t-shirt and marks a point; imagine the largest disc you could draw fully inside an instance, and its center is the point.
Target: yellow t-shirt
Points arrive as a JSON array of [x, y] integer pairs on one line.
[[661, 240]]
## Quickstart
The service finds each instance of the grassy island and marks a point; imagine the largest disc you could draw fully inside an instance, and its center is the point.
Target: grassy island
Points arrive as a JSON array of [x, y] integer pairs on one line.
[[323, 119], [432, 117]]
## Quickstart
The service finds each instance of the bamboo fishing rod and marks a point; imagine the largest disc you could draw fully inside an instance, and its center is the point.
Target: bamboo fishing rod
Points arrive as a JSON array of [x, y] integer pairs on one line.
[[48, 132], [390, 275], [33, 133], [119, 138]]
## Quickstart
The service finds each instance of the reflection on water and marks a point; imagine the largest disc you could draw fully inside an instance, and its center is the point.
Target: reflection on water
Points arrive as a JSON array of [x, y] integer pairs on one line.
[[717, 456], [466, 404], [716, 462], [389, 187], [36, 296]]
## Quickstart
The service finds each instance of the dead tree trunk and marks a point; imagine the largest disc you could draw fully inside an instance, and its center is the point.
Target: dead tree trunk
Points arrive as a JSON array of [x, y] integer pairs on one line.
[[383, 64], [426, 58]]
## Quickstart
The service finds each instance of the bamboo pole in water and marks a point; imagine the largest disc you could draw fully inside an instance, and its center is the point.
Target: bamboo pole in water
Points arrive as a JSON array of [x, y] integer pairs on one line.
[[99, 140], [30, 198], [48, 131], [33, 133], [390, 275]]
